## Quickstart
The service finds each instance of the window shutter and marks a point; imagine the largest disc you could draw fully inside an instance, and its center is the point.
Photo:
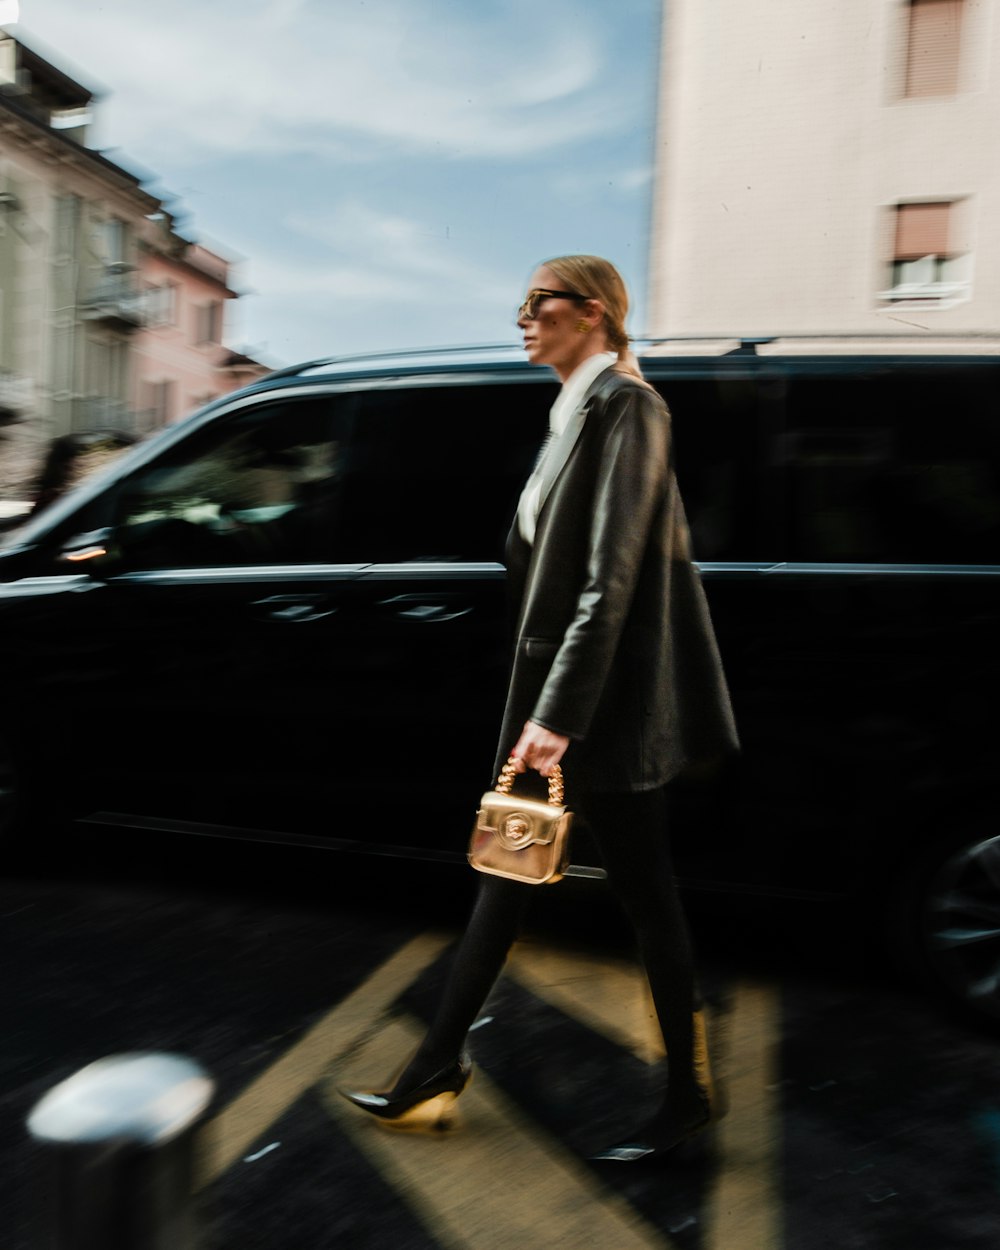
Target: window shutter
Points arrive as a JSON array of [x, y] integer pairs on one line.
[[932, 53], [921, 230]]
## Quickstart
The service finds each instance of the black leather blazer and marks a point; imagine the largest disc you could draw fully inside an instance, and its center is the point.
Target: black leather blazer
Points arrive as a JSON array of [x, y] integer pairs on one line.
[[614, 645]]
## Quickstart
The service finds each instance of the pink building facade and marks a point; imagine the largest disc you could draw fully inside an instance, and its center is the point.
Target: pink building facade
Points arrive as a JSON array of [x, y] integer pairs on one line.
[[179, 362]]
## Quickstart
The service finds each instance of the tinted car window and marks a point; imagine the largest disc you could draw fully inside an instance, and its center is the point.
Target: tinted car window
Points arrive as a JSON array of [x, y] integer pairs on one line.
[[716, 424], [891, 467], [262, 488], [439, 470]]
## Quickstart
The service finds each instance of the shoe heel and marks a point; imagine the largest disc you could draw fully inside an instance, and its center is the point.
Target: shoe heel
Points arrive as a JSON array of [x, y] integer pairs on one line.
[[435, 1115], [435, 1110], [704, 1072]]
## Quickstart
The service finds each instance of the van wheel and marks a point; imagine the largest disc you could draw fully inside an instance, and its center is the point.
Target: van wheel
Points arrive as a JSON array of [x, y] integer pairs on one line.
[[956, 935]]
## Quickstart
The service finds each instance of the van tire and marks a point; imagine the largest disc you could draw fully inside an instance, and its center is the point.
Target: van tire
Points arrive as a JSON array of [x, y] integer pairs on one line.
[[944, 925]]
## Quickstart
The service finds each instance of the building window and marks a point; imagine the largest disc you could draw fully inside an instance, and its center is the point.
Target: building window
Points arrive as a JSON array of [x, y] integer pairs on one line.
[[208, 327], [161, 305], [114, 241], [67, 228], [159, 402], [933, 47], [927, 266]]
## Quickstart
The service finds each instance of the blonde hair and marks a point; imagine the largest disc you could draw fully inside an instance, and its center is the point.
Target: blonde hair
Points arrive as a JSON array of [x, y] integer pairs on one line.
[[597, 278]]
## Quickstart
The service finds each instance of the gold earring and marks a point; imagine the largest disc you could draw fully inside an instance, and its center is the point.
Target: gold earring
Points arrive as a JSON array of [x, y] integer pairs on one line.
[[583, 327]]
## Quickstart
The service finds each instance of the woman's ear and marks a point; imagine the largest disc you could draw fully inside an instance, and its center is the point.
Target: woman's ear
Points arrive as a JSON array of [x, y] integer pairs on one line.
[[592, 312]]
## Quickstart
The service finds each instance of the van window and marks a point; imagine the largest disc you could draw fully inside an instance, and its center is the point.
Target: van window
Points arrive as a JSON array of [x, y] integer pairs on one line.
[[892, 466], [438, 470], [722, 468], [261, 488]]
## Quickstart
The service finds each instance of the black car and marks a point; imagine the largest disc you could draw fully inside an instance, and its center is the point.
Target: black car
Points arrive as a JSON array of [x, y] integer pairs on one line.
[[279, 606]]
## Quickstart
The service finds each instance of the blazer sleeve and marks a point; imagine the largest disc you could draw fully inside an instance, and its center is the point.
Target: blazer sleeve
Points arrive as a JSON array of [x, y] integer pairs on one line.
[[631, 487]]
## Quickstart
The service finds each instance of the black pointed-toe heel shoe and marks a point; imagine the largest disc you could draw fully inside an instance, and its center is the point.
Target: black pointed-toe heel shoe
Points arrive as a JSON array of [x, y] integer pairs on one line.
[[429, 1105], [662, 1141], [672, 1138]]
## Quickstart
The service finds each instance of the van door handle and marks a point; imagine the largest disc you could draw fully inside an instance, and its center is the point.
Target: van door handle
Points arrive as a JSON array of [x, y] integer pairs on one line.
[[427, 607], [294, 609]]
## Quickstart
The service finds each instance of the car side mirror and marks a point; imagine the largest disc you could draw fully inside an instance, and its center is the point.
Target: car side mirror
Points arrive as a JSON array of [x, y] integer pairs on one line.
[[93, 551]]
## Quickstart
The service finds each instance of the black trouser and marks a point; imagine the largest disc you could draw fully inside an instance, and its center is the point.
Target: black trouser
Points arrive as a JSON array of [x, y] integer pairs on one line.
[[631, 835]]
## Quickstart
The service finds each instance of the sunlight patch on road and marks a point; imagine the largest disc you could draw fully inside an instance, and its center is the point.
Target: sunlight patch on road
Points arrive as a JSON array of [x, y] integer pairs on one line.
[[231, 1134], [502, 1171], [498, 1182], [610, 996], [745, 1204]]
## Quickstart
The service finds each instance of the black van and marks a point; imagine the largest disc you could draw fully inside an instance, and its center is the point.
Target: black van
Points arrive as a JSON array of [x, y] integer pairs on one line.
[[277, 607]]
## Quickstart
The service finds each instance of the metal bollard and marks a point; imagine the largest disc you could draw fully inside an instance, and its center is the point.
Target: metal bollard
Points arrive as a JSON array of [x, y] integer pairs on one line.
[[119, 1151]]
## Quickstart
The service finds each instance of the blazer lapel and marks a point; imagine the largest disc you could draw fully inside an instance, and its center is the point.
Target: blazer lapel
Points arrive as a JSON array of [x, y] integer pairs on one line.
[[560, 451]]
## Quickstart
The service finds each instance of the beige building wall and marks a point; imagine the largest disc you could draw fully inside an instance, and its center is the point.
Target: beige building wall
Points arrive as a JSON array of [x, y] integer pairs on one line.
[[66, 312], [784, 144]]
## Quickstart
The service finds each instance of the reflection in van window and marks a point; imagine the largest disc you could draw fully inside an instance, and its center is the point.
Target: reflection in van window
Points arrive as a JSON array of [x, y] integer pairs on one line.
[[261, 489]]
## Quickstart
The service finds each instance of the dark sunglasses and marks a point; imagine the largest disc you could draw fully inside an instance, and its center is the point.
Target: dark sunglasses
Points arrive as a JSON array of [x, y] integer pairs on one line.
[[529, 309]]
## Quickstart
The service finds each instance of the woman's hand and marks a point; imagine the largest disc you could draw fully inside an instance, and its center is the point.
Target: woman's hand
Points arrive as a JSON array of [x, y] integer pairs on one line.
[[538, 748]]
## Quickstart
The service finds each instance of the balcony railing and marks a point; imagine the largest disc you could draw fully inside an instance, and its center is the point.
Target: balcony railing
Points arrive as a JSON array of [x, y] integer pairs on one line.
[[17, 395], [97, 412], [115, 299]]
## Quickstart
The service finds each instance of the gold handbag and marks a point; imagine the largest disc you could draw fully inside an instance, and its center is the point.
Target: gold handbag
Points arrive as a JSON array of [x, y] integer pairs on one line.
[[523, 839]]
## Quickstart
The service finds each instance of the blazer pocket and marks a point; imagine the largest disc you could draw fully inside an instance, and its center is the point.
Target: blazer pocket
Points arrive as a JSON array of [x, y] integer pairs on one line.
[[539, 648]]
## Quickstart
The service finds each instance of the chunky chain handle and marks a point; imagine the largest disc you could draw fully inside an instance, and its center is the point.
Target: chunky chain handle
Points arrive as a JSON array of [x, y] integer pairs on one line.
[[509, 771]]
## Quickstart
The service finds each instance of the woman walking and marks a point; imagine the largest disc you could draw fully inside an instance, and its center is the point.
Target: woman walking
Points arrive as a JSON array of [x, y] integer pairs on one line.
[[616, 676]]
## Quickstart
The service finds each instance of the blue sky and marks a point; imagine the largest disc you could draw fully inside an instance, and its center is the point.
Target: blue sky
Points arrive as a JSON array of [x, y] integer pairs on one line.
[[388, 172]]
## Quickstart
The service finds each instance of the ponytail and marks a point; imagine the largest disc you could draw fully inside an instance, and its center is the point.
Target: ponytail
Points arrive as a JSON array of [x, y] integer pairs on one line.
[[628, 363]]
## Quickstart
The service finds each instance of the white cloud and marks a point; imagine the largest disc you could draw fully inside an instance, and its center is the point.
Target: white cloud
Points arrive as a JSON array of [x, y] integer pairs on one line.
[[313, 312], [389, 239], [326, 142], [336, 79], [381, 257], [285, 279], [630, 180], [579, 180]]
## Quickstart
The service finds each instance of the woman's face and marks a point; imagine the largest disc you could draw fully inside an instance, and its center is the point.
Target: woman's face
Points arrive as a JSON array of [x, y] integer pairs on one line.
[[551, 336]]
